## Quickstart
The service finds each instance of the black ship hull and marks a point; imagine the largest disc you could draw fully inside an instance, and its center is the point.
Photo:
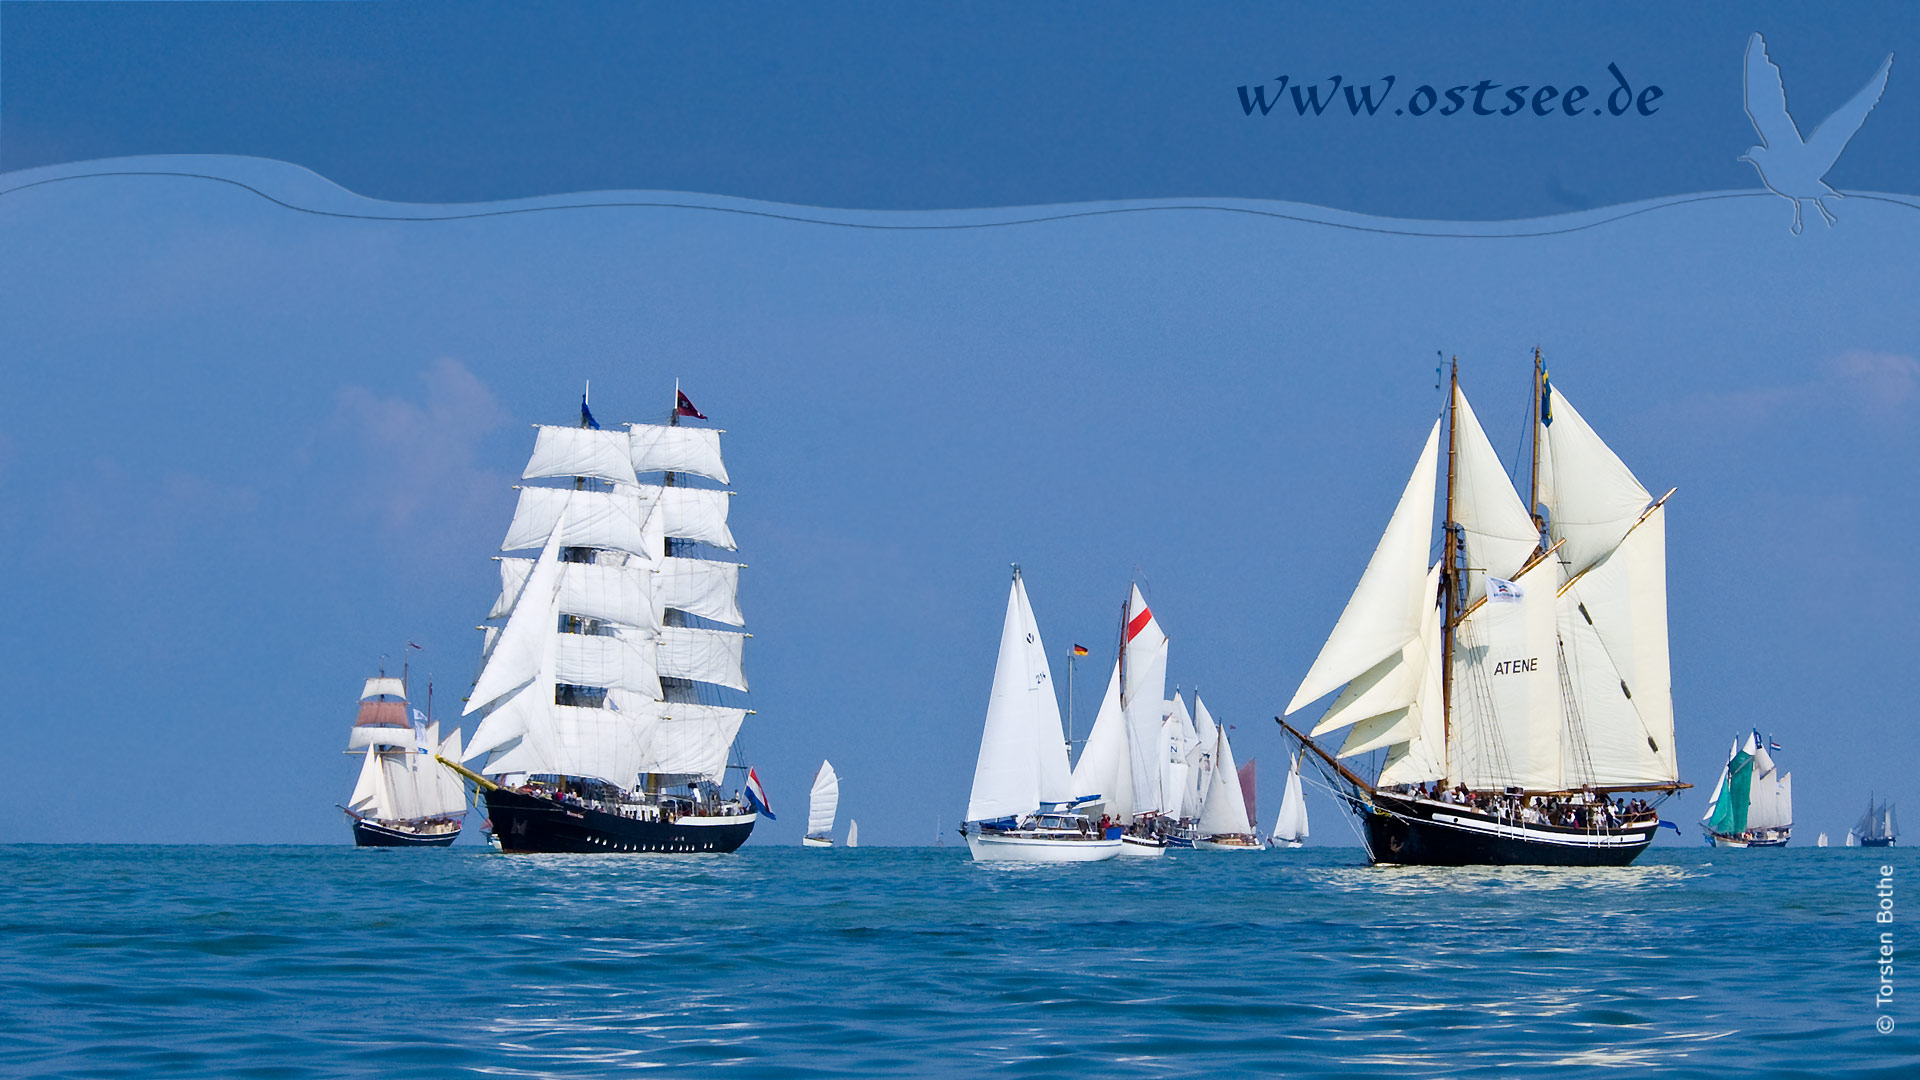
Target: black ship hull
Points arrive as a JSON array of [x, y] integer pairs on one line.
[[1884, 842], [373, 834], [525, 823], [1423, 832]]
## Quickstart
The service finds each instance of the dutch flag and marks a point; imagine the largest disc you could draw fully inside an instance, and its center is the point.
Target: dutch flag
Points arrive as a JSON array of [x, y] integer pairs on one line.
[[757, 796]]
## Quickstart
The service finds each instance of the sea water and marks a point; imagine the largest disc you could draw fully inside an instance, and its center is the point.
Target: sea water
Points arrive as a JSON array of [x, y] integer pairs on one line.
[[783, 962]]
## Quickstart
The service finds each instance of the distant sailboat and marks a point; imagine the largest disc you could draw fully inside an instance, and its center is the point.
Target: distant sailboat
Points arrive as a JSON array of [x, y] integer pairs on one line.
[[1018, 809], [1223, 824], [1290, 829], [404, 798], [1822, 842], [853, 833], [820, 811], [1125, 764], [1878, 827], [1752, 804]]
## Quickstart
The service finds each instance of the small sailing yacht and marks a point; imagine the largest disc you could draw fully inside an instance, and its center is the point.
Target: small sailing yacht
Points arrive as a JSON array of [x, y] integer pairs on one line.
[[403, 798], [1019, 810], [825, 803], [1752, 804], [1290, 829], [853, 833], [1223, 824], [1878, 827]]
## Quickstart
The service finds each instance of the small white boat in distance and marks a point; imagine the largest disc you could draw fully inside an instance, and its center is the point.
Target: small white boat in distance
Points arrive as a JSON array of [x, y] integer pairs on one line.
[[1290, 829], [1020, 782], [823, 806], [853, 833]]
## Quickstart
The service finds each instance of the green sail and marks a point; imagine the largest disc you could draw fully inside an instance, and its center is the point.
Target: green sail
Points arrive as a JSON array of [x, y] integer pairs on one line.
[[1730, 813]]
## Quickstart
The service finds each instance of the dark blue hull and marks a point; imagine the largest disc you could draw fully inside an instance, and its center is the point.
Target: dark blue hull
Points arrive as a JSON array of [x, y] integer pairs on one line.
[[526, 823], [1422, 832]]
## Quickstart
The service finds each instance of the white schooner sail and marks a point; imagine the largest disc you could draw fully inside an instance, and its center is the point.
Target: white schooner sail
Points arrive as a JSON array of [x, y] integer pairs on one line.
[[1551, 675], [599, 662], [402, 794], [822, 805]]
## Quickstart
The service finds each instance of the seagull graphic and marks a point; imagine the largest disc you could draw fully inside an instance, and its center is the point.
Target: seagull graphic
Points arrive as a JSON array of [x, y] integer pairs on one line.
[[1789, 165]]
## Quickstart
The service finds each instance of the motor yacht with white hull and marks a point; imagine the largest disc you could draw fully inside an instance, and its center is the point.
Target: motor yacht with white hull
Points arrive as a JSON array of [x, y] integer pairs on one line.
[[1522, 682], [403, 797], [601, 695], [1018, 809]]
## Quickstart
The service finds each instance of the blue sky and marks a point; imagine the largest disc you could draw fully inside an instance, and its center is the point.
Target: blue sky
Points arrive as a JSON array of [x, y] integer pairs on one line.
[[245, 451]]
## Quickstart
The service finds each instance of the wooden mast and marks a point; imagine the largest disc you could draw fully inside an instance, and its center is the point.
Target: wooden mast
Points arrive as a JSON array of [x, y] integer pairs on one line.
[[1533, 488], [1449, 579]]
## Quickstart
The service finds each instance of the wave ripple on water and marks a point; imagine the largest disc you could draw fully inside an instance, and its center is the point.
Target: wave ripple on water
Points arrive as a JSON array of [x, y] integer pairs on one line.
[[777, 962]]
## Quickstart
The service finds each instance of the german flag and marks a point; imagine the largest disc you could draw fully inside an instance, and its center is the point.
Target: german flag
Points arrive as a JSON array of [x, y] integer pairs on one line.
[[1079, 650]]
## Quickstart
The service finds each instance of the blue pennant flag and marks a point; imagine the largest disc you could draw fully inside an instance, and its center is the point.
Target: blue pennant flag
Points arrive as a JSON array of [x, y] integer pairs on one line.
[[586, 415], [1669, 825]]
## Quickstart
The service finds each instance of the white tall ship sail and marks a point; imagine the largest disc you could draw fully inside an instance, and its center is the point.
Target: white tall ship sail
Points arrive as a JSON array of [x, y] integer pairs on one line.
[[613, 654], [822, 805], [1022, 789], [1522, 683], [1290, 828], [404, 797]]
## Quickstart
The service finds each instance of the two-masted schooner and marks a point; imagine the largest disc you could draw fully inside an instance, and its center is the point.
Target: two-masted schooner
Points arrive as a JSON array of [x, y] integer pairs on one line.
[[1752, 802], [1132, 769], [404, 797], [605, 724], [1519, 684], [1021, 808], [1878, 827]]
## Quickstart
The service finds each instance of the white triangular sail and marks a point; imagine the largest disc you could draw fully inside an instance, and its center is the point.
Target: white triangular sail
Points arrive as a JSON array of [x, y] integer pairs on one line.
[[1496, 528], [526, 638], [1105, 768], [1291, 826], [1590, 496], [1143, 689], [853, 833], [1055, 777], [1388, 604], [1225, 811], [1006, 781], [824, 802]]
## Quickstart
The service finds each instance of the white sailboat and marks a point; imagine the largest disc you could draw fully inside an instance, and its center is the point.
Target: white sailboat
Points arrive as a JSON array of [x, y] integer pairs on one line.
[[1122, 768], [821, 808], [1223, 823], [1017, 811], [403, 797], [853, 833], [1521, 682], [1290, 828]]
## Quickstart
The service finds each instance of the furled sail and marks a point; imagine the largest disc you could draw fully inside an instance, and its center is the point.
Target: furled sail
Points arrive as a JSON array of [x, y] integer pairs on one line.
[[1389, 603], [824, 802]]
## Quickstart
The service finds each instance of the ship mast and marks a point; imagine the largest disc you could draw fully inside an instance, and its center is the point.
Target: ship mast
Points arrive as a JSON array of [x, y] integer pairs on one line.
[[1449, 575], [1533, 484]]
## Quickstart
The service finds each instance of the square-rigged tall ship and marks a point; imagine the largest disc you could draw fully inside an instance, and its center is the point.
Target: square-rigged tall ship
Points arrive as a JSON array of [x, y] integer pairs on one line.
[[603, 721], [1520, 685]]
